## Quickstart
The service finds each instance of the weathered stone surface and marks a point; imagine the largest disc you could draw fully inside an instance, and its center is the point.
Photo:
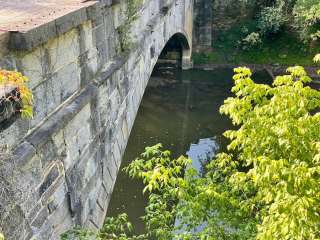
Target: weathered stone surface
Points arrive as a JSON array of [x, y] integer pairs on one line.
[[40, 218], [71, 20], [49, 179], [10, 137], [86, 96], [26, 41], [63, 50], [60, 119], [23, 153], [32, 66]]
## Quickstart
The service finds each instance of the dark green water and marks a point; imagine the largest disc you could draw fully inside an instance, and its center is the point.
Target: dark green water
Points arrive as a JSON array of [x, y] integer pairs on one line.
[[183, 115]]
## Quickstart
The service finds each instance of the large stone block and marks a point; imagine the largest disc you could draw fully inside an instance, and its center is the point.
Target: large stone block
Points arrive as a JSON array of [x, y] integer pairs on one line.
[[47, 98], [27, 181], [108, 22], [62, 224], [40, 218], [77, 136], [103, 100], [108, 181], [49, 179], [112, 167], [58, 141], [33, 65], [12, 135], [115, 104], [103, 56], [58, 207], [58, 198], [67, 80], [89, 66], [117, 151], [102, 199], [64, 50]]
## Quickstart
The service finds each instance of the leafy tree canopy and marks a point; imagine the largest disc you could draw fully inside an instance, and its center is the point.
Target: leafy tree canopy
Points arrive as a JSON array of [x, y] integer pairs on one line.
[[301, 15], [265, 187]]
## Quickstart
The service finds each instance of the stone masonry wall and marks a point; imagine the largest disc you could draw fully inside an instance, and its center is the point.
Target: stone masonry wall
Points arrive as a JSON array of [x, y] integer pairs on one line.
[[227, 13], [203, 18], [212, 17], [64, 162]]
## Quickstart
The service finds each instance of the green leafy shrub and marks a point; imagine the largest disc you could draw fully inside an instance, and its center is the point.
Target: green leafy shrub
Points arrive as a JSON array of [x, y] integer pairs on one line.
[[307, 18], [272, 20], [252, 40]]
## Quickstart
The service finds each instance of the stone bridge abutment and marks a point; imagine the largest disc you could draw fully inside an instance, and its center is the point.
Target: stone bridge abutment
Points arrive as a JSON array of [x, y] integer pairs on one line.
[[58, 169]]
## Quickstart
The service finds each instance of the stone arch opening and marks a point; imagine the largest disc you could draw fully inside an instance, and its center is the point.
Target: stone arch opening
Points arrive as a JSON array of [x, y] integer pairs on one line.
[[177, 50]]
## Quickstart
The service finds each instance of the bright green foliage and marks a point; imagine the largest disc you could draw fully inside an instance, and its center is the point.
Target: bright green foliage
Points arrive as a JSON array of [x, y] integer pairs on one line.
[[163, 177], [15, 80], [251, 41], [114, 228], [304, 15], [265, 187], [272, 19], [80, 234], [268, 186], [157, 170], [316, 59], [118, 228], [278, 146], [307, 18]]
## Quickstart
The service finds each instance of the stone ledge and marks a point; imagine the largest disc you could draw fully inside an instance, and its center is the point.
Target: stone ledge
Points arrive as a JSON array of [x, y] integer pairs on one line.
[[27, 149], [26, 41], [116, 64], [59, 119], [30, 39], [23, 153]]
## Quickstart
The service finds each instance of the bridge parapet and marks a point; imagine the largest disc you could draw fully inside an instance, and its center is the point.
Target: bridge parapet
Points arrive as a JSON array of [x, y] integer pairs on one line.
[[87, 91]]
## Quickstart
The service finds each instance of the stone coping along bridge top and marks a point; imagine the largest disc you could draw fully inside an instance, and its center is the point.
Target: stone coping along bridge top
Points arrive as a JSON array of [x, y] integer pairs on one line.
[[32, 22], [24, 15]]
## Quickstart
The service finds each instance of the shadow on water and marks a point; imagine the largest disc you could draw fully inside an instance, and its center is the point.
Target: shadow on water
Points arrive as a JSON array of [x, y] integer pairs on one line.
[[180, 109]]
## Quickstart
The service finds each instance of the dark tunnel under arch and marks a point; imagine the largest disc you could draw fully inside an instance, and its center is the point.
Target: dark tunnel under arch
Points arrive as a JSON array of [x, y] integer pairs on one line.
[[177, 49]]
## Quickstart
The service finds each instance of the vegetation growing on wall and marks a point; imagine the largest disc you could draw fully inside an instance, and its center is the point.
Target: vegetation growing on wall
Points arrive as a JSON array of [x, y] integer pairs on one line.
[[15, 96], [132, 7], [265, 187]]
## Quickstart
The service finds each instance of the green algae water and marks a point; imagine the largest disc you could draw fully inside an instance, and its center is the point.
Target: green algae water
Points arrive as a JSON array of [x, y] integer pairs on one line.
[[180, 109]]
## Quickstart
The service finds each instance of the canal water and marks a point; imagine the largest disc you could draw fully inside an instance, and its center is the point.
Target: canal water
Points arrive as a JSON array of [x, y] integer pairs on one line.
[[180, 109]]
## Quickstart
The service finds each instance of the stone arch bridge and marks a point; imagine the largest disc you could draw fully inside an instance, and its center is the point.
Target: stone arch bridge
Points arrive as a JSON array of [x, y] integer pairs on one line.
[[88, 75]]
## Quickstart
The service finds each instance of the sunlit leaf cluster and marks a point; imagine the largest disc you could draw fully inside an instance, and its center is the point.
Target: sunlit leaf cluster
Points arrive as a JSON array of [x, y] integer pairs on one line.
[[15, 89], [277, 146]]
